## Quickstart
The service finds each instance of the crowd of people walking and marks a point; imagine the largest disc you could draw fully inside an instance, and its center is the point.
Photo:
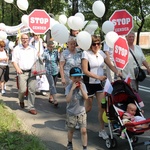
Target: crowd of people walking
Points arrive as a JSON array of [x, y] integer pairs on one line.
[[82, 75]]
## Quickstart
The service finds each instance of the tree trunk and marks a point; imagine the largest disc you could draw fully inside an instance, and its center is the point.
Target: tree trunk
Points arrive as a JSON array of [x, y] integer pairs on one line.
[[74, 7], [2, 6], [141, 24]]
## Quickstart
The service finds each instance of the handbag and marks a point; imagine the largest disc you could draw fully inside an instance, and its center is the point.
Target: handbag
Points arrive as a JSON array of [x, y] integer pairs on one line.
[[6, 73], [139, 73], [38, 68]]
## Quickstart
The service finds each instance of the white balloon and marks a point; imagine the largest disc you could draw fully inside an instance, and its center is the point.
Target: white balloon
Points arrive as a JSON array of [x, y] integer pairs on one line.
[[107, 26], [85, 22], [11, 45], [25, 20], [90, 28], [63, 19], [3, 35], [60, 33], [98, 8], [84, 40], [110, 38], [2, 26], [80, 15], [53, 22], [9, 1], [75, 23], [23, 4], [69, 22]]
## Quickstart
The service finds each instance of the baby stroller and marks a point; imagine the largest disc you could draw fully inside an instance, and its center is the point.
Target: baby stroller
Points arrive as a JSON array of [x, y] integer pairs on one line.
[[116, 105]]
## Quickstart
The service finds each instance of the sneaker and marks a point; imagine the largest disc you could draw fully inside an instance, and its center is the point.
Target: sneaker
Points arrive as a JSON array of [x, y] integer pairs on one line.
[[69, 147], [77, 126], [103, 134], [3, 92], [44, 93]]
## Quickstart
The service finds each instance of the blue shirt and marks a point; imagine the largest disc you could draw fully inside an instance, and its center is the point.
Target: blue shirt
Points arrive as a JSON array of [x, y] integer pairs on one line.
[[51, 61]]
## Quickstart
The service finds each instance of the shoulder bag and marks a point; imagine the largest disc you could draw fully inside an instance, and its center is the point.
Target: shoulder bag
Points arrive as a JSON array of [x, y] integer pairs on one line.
[[138, 72], [38, 68]]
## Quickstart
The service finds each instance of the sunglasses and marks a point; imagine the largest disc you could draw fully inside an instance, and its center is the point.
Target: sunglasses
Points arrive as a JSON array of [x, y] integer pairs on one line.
[[94, 44]]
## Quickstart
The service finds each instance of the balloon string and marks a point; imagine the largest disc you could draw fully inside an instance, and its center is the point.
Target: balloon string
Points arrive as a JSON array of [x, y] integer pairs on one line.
[[17, 8]]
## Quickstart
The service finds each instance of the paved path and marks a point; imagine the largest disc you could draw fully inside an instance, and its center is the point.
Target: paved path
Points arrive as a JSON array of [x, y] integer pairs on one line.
[[49, 123]]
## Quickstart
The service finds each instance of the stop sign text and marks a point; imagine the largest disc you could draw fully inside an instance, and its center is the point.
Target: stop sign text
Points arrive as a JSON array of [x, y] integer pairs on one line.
[[39, 21], [123, 22], [120, 53]]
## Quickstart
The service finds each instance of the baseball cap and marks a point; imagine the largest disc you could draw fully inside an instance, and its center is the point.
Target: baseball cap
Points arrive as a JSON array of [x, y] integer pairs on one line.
[[75, 71]]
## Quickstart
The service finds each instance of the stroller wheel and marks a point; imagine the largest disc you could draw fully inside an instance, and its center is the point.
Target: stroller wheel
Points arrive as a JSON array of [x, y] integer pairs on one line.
[[148, 147], [114, 143], [135, 139], [111, 143]]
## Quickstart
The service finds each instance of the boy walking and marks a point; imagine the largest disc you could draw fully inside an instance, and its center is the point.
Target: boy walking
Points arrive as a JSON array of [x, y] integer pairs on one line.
[[76, 93]]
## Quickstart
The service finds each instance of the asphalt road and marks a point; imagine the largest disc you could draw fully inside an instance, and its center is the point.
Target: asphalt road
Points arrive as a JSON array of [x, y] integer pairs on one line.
[[49, 123]]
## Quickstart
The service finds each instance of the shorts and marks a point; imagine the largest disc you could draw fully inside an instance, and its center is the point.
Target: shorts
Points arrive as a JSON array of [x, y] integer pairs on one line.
[[2, 73], [93, 88], [81, 119]]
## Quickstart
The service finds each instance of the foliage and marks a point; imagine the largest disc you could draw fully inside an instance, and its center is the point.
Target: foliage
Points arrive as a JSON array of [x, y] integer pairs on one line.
[[139, 9], [12, 134]]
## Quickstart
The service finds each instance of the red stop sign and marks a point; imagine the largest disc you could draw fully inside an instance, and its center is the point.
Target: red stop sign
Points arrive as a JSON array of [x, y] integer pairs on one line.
[[39, 21], [123, 21], [120, 53]]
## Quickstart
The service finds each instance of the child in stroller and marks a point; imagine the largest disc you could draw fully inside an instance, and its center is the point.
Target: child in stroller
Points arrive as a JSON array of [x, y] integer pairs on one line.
[[129, 116], [118, 101]]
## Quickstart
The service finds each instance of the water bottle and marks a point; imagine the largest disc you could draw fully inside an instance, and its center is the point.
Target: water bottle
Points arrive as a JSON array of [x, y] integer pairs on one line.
[[103, 103]]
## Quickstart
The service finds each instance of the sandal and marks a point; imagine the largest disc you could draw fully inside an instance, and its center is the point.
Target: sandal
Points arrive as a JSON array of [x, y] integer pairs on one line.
[[55, 103], [51, 101]]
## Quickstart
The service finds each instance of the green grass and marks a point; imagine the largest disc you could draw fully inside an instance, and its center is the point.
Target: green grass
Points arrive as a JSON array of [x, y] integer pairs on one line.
[[12, 134], [147, 55]]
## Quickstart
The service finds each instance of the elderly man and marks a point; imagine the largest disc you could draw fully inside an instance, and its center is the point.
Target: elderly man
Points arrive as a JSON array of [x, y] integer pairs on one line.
[[23, 58]]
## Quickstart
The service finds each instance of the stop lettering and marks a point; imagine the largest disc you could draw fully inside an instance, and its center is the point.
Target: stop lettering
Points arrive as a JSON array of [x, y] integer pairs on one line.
[[38, 20], [123, 22], [120, 53]]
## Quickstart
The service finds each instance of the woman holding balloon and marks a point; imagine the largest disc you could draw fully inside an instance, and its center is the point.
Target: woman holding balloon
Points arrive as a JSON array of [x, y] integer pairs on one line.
[[92, 65]]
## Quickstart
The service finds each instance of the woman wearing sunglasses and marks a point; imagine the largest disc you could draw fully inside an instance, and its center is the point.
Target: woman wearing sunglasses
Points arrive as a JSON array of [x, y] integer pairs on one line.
[[92, 65]]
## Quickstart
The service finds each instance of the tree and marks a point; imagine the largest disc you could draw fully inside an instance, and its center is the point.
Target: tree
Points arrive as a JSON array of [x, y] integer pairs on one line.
[[139, 9]]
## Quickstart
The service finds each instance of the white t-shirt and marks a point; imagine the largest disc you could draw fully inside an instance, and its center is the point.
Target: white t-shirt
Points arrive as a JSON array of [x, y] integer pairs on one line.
[[129, 69], [3, 55], [96, 64], [38, 44], [106, 48], [24, 57]]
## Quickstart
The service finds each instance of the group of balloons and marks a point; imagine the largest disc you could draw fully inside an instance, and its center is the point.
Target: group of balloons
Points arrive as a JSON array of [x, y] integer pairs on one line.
[[22, 4], [77, 22], [59, 30]]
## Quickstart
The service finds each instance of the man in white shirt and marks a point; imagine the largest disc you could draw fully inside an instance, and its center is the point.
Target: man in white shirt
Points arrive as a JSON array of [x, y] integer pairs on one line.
[[23, 58]]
